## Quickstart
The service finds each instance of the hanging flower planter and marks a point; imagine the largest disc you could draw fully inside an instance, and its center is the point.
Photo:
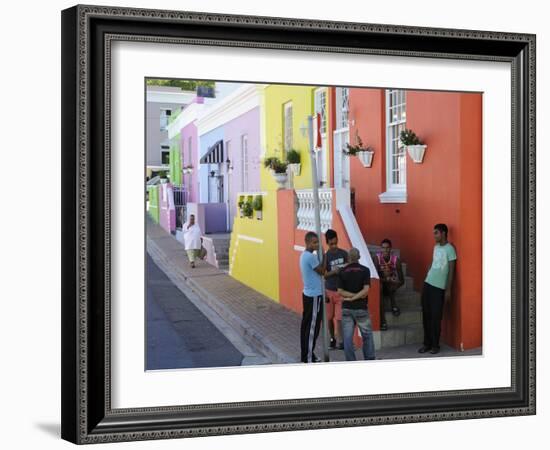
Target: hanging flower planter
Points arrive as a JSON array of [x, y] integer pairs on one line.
[[295, 168], [364, 154], [281, 179], [416, 152], [415, 148], [293, 160], [366, 157], [278, 169]]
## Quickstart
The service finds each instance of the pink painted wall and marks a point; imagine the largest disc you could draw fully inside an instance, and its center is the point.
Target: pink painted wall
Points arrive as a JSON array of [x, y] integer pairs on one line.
[[167, 211], [189, 156]]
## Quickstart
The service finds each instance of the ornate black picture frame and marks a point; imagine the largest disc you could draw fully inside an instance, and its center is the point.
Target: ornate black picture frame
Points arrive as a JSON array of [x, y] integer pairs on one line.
[[87, 33]]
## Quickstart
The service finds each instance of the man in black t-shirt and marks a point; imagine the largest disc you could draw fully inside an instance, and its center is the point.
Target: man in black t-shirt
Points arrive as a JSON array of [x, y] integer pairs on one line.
[[335, 259], [353, 286]]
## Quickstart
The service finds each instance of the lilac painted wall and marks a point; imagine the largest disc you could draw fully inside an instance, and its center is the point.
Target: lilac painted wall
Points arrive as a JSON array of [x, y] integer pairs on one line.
[[249, 124], [188, 156]]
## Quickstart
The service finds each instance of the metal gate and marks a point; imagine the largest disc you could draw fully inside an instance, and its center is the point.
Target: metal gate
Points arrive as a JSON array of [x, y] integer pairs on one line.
[[180, 203]]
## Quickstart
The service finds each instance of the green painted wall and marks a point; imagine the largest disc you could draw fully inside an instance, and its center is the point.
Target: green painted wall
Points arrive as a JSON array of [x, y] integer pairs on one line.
[[153, 202], [175, 165]]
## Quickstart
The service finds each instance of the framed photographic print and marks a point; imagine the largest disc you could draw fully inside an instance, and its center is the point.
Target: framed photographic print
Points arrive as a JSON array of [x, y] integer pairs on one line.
[[279, 224]]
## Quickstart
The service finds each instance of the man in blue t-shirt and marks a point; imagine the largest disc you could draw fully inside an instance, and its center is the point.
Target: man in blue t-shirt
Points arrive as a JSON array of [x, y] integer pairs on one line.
[[312, 297]]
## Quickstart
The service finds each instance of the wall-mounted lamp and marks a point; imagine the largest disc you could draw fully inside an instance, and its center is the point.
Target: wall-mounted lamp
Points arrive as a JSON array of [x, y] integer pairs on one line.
[[303, 129]]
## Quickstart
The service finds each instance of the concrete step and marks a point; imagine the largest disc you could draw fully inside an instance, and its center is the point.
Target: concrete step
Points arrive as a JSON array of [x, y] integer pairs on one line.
[[407, 299], [398, 335], [409, 283], [407, 317]]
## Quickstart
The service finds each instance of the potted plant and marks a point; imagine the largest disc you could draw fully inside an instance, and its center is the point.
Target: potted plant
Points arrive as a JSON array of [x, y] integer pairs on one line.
[[365, 154], [293, 160], [240, 204], [278, 169], [280, 172], [269, 161], [163, 175], [257, 205], [413, 144], [247, 209]]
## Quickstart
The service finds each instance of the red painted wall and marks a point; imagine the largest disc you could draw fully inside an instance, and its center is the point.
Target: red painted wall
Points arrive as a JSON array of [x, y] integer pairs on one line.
[[290, 280], [446, 187]]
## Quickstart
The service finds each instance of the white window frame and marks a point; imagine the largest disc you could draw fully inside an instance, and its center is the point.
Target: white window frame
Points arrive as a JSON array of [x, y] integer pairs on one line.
[[395, 192], [342, 113], [244, 163], [288, 141], [164, 116], [320, 105], [340, 139]]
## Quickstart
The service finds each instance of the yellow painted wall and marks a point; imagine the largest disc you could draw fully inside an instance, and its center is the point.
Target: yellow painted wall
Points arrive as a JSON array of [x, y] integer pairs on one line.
[[256, 263], [276, 96]]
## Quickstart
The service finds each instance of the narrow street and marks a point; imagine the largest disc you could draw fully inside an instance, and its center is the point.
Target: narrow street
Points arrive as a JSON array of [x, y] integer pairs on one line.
[[179, 335]]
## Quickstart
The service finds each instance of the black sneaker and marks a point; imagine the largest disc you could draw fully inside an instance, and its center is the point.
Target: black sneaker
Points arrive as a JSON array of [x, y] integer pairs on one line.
[[434, 350], [332, 344], [315, 358], [424, 349], [340, 346]]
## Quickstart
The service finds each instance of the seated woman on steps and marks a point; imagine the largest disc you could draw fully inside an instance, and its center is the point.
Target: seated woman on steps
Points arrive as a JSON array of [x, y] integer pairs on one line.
[[389, 268]]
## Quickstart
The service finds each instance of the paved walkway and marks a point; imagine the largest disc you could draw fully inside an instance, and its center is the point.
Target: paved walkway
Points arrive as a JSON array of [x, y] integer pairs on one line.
[[269, 328]]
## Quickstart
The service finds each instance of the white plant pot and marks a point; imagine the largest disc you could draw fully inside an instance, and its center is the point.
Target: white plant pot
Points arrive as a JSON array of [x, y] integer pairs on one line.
[[281, 179], [416, 152], [366, 158], [295, 168], [259, 215]]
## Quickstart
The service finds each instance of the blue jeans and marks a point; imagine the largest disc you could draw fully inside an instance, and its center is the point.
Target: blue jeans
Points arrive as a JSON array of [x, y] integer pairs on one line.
[[361, 318]]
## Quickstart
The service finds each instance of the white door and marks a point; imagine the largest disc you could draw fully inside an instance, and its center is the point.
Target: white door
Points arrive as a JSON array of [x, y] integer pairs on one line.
[[341, 161], [341, 138]]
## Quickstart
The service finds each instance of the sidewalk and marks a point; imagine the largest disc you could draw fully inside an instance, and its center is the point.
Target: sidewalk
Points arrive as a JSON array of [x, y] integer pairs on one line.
[[268, 327]]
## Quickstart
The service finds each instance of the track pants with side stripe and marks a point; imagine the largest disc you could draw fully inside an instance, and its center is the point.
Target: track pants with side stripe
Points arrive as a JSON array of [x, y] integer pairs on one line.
[[311, 324]]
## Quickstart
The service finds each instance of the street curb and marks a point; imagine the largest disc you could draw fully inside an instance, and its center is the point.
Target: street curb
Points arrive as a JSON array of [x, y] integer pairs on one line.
[[252, 337]]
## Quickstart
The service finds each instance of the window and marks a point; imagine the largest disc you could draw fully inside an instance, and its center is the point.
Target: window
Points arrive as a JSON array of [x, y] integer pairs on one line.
[[287, 126], [164, 118], [244, 163], [165, 157], [342, 107], [341, 138], [320, 107], [396, 169]]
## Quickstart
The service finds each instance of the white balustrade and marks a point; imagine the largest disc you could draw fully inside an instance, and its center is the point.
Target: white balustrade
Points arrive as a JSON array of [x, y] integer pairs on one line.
[[305, 211]]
